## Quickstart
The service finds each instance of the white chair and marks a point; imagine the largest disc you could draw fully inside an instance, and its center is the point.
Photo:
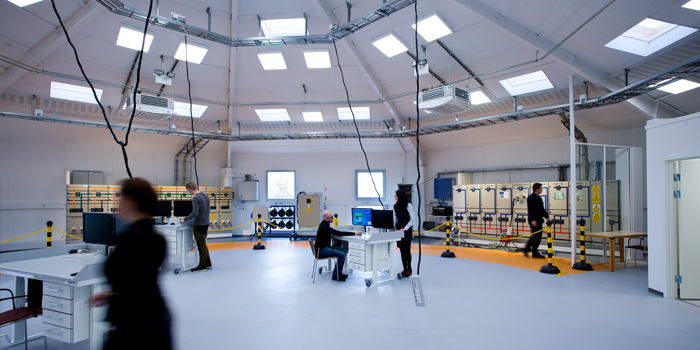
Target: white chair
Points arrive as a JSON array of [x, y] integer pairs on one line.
[[331, 260]]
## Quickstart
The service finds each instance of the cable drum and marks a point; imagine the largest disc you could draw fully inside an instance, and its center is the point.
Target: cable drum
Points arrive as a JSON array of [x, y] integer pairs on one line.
[[290, 224], [290, 212], [273, 213]]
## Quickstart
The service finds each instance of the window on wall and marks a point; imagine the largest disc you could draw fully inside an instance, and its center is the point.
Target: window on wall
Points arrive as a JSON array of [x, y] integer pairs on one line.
[[280, 185], [364, 189]]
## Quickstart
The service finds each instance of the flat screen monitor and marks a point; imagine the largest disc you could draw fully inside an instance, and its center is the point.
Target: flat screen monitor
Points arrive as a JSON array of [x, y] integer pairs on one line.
[[164, 209], [182, 208], [362, 216], [99, 228], [383, 219]]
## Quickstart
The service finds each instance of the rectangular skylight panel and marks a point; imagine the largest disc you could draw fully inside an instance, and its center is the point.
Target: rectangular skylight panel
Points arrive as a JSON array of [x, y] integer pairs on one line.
[[132, 39], [678, 86], [649, 36], [194, 53], [526, 83], [432, 28], [478, 97], [693, 5], [183, 109], [23, 3], [317, 59], [360, 113], [390, 45], [74, 92], [272, 60], [284, 27], [312, 116], [272, 115]]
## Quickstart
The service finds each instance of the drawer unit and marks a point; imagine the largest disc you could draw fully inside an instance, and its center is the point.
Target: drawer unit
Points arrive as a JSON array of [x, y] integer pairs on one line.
[[60, 333], [358, 267], [356, 252], [359, 260], [58, 290], [57, 318], [66, 314], [58, 304], [355, 245]]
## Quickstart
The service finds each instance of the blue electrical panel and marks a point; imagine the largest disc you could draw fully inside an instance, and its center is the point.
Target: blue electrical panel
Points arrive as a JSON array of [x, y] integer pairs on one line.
[[442, 188]]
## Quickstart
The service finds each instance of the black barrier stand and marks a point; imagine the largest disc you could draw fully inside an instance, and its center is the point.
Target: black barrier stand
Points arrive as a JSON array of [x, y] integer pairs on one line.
[[49, 229], [583, 265], [447, 253], [259, 245], [549, 268]]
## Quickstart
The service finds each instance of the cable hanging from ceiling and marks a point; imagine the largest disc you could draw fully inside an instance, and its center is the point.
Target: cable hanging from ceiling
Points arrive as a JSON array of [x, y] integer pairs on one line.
[[189, 95]]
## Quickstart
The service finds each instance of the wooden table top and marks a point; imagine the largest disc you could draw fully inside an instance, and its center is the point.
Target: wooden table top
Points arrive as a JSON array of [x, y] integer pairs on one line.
[[616, 234]]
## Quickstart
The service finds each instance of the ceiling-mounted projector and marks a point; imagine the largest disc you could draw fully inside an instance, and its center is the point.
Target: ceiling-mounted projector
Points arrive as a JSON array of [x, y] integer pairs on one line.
[[444, 100], [150, 107]]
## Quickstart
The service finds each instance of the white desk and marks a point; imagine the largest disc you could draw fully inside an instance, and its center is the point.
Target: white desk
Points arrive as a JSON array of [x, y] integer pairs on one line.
[[67, 316], [179, 239], [371, 252]]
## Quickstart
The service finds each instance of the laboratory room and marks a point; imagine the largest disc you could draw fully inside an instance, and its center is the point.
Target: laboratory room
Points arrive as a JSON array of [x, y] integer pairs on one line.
[[375, 174]]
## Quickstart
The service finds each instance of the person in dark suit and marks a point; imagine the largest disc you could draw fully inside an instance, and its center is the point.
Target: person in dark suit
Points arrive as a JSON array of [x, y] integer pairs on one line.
[[137, 311], [535, 215], [324, 248]]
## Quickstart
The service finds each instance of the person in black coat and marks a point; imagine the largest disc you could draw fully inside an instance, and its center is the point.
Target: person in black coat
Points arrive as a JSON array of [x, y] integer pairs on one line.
[[137, 311], [324, 248], [535, 215]]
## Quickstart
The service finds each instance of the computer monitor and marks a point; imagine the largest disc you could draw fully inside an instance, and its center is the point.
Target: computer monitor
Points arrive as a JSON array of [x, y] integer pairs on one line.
[[99, 228], [182, 208], [362, 216], [383, 219], [164, 208]]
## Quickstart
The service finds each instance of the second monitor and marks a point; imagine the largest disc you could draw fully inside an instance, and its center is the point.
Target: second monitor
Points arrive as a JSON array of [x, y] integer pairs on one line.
[[383, 219]]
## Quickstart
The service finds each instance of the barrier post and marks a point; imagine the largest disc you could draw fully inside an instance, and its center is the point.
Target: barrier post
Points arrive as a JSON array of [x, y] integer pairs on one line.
[[583, 265], [549, 268], [447, 253], [49, 229], [335, 219], [259, 245]]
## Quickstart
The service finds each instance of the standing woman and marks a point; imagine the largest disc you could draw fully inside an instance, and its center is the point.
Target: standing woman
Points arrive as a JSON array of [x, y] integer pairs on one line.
[[137, 310], [403, 221]]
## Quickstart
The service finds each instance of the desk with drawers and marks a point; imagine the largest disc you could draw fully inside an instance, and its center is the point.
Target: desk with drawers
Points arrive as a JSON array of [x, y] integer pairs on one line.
[[371, 252]]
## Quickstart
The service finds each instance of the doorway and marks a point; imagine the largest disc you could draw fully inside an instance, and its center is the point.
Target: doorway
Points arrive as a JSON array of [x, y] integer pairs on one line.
[[686, 195]]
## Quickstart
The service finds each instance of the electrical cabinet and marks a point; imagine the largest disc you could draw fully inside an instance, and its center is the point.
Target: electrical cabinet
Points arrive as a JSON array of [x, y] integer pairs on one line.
[[459, 198], [248, 191], [473, 219], [612, 204], [443, 188], [557, 199], [309, 209], [489, 215]]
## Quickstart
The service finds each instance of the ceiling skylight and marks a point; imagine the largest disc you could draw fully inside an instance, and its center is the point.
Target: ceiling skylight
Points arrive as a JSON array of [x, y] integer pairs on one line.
[[527, 83], [390, 46], [478, 97], [273, 115], [678, 86], [317, 59], [284, 27], [360, 113], [432, 28], [74, 92], [195, 53], [649, 36], [272, 60], [312, 116], [693, 5], [183, 109], [23, 3], [132, 39]]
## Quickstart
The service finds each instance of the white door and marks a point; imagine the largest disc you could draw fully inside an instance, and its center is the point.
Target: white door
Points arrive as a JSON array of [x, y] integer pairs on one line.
[[689, 230]]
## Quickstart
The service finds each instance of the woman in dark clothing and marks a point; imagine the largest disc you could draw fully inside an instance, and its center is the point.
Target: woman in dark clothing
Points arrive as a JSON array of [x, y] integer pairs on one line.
[[137, 311], [404, 220]]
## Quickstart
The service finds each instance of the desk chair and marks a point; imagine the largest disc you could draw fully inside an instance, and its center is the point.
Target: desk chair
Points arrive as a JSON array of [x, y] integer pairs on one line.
[[639, 246], [17, 314], [316, 259]]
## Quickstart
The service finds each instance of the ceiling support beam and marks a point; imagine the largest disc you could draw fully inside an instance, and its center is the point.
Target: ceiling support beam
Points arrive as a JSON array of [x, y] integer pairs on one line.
[[51, 42], [644, 103]]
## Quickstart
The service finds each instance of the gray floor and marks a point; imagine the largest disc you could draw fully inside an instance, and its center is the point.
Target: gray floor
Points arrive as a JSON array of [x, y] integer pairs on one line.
[[265, 300]]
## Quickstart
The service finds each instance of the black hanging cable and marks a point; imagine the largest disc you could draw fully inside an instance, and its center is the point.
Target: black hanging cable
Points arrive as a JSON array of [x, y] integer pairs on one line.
[[124, 143], [359, 137], [189, 94], [420, 251]]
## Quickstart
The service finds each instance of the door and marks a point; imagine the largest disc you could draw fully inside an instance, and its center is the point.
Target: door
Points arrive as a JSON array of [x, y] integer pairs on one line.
[[689, 230]]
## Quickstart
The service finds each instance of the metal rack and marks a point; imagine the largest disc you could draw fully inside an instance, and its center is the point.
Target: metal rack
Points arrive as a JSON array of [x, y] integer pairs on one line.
[[282, 215]]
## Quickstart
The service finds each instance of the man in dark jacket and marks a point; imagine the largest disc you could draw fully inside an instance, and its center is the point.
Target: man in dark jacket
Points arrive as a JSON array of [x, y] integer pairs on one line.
[[324, 248], [200, 226], [535, 215]]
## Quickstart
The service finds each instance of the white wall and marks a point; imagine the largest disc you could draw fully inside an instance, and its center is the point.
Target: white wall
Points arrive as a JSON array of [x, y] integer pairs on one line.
[[667, 140], [35, 156]]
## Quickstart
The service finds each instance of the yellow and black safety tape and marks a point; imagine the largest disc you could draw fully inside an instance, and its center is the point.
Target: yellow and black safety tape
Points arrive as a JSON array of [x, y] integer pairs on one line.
[[497, 238], [231, 228], [69, 235], [25, 236]]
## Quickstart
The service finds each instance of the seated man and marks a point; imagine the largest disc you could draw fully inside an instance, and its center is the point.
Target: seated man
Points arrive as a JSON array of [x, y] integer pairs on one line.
[[324, 248]]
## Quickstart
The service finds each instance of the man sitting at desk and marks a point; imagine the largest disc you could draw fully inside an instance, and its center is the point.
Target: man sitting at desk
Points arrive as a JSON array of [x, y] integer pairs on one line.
[[324, 248]]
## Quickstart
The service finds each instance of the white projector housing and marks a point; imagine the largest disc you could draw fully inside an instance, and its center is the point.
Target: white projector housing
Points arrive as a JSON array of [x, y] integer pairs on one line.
[[150, 107], [444, 100]]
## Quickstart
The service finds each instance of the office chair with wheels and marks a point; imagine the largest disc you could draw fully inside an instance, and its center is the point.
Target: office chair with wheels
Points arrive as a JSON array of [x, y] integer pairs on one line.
[[316, 259], [17, 314], [640, 246]]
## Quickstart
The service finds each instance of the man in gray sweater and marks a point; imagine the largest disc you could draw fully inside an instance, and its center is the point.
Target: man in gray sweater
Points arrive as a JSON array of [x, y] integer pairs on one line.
[[200, 215]]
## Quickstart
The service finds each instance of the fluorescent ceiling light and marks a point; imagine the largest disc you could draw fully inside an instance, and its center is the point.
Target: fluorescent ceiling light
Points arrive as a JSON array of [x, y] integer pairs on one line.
[[693, 5], [527, 83], [312, 116], [432, 28], [272, 115], [132, 39], [23, 3], [678, 86], [284, 27], [183, 109], [317, 59], [360, 113], [478, 97], [74, 92], [272, 60], [195, 53], [649, 36], [390, 46]]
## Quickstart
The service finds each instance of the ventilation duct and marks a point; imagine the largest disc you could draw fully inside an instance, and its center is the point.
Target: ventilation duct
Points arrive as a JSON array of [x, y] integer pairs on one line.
[[444, 100], [149, 107]]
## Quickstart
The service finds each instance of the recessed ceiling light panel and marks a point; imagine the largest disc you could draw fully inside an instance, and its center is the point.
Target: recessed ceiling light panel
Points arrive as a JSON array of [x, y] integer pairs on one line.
[[272, 60], [527, 83], [317, 59], [23, 3], [649, 36], [432, 28], [272, 115], [284, 27], [312, 116], [133, 39], [183, 109], [74, 92], [360, 113], [191, 53], [390, 45], [678, 86]]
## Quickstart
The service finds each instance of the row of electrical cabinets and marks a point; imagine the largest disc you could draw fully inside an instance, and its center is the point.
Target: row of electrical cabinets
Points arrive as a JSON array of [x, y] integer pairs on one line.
[[105, 199], [492, 208]]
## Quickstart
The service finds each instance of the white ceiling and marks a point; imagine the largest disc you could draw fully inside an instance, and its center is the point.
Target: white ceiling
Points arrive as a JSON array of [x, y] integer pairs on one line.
[[487, 36]]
